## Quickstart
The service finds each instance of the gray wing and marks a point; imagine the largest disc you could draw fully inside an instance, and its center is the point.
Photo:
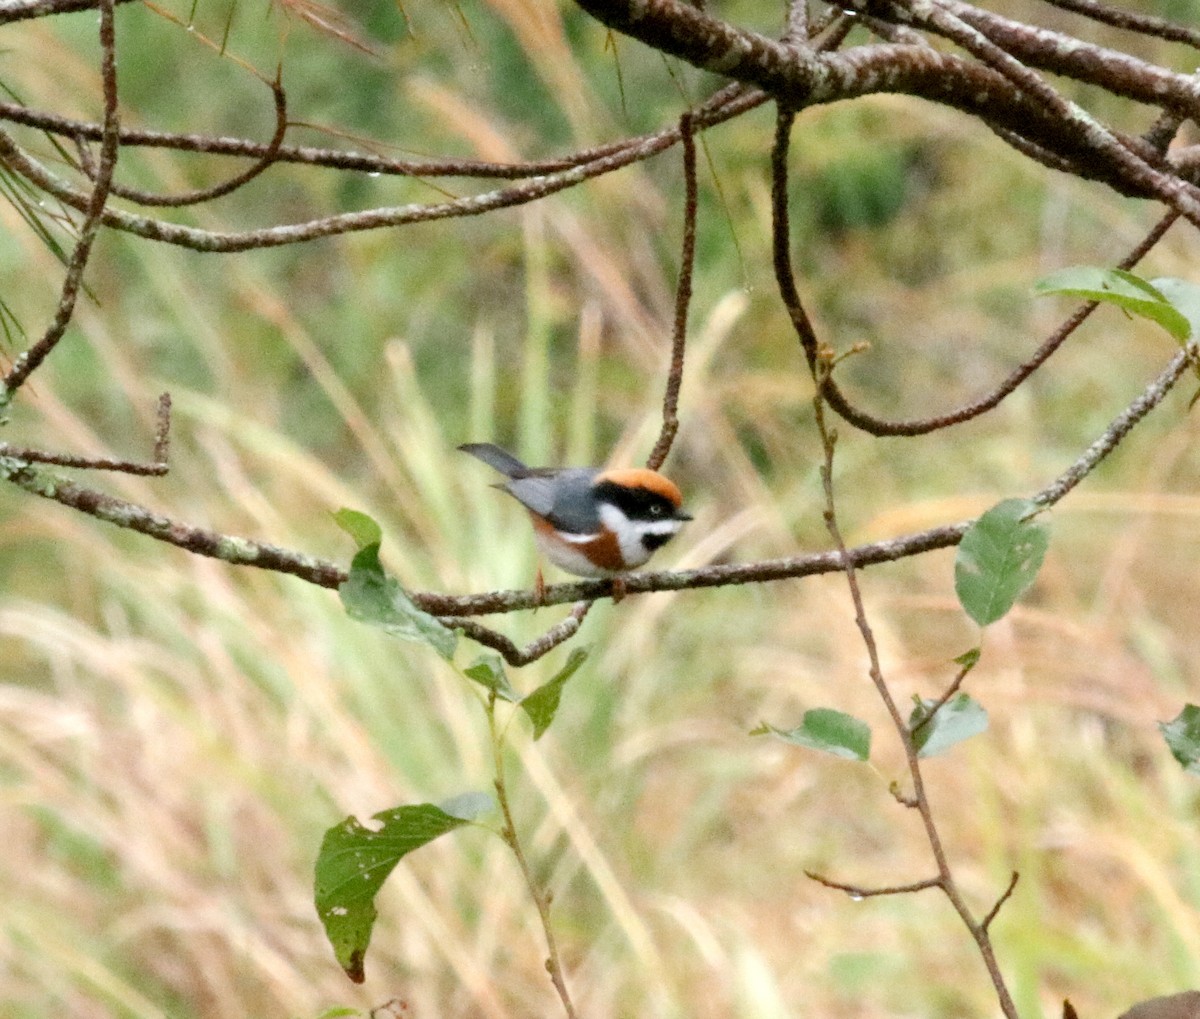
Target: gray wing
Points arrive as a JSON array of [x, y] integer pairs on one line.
[[564, 499]]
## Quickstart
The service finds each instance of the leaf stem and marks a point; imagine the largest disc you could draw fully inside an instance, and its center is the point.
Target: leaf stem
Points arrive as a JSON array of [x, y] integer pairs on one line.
[[945, 877], [540, 896]]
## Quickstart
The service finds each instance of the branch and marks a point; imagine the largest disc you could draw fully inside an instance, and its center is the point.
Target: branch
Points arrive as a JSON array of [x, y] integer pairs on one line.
[[855, 892], [248, 552], [21, 10], [683, 299], [93, 207], [200, 195], [723, 106], [1117, 72], [798, 78]]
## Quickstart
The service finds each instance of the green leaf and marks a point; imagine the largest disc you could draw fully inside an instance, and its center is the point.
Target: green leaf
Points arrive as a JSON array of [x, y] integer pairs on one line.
[[542, 705], [958, 719], [833, 732], [1182, 734], [968, 659], [1126, 290], [338, 1012], [998, 559], [373, 597], [488, 671], [362, 528], [352, 865], [1184, 297]]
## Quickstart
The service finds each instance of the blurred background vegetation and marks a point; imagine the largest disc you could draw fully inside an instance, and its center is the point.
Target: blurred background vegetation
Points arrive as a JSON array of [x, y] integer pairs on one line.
[[175, 734]]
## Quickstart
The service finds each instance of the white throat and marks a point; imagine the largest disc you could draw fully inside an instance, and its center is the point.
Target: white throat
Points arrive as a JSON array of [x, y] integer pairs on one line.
[[630, 533]]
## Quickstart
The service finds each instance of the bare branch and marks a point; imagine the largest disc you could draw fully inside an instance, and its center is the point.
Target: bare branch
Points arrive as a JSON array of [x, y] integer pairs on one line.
[[226, 187], [992, 913], [683, 299], [373, 219], [857, 892], [21, 10], [1144, 23], [535, 649], [92, 206]]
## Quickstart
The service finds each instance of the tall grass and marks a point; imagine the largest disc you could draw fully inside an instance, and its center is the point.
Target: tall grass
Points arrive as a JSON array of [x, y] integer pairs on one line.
[[175, 734]]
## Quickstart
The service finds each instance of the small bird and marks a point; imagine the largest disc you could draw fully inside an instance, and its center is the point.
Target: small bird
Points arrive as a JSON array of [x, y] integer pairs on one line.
[[589, 521]]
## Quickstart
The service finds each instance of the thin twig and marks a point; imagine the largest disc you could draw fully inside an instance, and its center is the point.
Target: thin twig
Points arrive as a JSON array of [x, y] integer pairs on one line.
[[531, 652], [540, 896], [946, 879], [940, 703], [93, 207], [823, 365], [992, 913], [374, 219], [264, 162], [156, 468], [683, 299], [857, 892]]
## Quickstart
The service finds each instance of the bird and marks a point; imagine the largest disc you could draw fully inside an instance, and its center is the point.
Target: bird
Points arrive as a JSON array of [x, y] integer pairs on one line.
[[590, 521]]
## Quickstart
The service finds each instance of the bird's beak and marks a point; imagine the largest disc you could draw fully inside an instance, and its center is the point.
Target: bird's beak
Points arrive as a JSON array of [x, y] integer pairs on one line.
[[680, 515]]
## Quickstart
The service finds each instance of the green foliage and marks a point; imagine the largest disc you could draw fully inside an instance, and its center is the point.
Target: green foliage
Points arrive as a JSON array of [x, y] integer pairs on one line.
[[865, 189], [998, 559], [958, 719], [371, 596], [968, 659], [352, 865], [542, 705], [1182, 734], [1184, 297], [830, 731], [362, 528], [1173, 308], [488, 671]]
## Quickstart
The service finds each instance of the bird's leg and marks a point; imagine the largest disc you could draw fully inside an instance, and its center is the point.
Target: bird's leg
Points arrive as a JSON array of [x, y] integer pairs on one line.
[[539, 590], [617, 589]]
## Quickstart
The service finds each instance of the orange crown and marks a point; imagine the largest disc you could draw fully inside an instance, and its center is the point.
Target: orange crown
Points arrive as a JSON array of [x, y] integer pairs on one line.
[[640, 477]]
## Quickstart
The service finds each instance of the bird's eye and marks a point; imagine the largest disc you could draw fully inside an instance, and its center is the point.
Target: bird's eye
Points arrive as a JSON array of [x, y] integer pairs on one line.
[[656, 510]]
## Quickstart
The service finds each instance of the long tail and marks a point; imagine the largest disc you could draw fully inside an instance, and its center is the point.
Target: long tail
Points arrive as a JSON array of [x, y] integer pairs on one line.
[[494, 456]]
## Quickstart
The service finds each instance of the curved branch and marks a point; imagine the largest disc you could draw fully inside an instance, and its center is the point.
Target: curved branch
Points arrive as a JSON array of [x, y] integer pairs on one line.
[[200, 195], [798, 78], [92, 205], [730, 104], [1112, 70]]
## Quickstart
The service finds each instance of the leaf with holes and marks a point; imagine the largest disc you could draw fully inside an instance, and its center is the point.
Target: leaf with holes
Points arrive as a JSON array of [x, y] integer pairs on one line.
[[352, 865], [998, 558]]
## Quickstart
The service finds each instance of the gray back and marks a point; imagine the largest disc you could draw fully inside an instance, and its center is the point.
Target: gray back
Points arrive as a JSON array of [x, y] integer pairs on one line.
[[565, 500]]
